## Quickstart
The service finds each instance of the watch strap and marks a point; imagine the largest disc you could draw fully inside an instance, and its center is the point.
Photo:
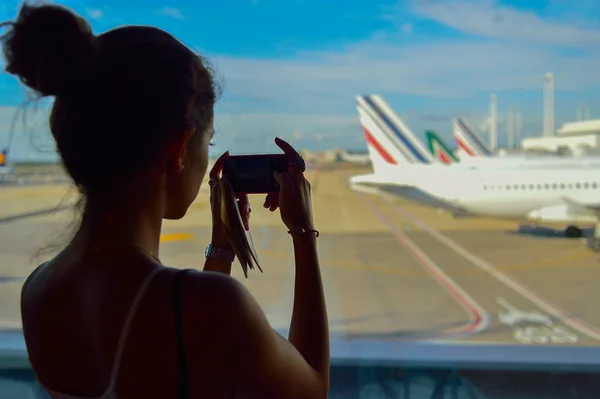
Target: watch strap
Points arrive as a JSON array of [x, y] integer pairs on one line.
[[213, 252]]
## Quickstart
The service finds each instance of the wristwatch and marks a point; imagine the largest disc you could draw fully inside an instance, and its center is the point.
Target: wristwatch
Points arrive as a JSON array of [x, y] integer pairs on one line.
[[213, 252]]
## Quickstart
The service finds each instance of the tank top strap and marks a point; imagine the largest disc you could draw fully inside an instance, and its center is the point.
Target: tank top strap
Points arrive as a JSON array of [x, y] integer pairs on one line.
[[127, 325]]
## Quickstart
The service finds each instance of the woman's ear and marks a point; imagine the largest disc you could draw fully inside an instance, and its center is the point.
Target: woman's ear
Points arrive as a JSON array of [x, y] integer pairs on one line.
[[178, 151]]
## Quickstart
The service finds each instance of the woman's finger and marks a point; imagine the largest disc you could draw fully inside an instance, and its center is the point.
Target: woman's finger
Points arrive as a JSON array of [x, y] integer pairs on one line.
[[287, 149], [272, 199], [218, 166]]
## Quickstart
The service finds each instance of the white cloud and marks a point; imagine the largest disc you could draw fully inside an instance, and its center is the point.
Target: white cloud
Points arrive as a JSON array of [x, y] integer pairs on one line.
[[94, 13], [172, 12], [440, 69], [487, 18]]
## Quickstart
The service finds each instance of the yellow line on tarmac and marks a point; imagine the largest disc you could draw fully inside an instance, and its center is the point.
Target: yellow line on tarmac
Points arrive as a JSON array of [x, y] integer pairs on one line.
[[176, 237]]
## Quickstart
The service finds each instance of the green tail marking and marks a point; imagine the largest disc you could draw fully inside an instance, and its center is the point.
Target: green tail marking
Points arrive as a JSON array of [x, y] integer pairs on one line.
[[439, 149]]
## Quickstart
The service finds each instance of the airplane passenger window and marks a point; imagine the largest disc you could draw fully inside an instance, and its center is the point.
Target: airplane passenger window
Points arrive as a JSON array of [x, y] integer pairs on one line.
[[523, 186], [577, 185], [562, 186], [508, 186], [554, 186], [546, 186], [586, 185], [539, 186], [531, 186], [594, 185], [516, 186]]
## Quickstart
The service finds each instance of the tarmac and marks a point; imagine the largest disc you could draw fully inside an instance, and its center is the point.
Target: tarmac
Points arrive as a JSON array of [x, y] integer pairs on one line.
[[393, 269]]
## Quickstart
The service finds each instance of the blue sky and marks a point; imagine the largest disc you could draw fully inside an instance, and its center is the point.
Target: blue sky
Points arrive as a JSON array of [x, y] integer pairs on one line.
[[291, 68]]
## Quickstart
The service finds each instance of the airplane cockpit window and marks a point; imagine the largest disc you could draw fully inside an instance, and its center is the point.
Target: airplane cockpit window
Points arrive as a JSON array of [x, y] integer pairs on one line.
[[459, 237]]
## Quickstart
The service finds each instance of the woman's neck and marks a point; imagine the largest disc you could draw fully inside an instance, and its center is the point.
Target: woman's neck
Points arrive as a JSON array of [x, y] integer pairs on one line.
[[133, 222]]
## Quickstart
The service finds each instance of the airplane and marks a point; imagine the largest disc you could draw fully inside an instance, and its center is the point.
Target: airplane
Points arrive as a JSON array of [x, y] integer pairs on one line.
[[441, 151], [563, 195], [469, 142], [353, 157], [472, 147]]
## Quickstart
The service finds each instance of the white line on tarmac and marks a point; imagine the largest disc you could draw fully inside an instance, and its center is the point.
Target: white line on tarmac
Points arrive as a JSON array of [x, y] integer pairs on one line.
[[510, 282], [479, 319]]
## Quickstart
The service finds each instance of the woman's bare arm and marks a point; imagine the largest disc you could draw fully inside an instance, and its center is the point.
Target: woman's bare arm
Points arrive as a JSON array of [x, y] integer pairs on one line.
[[309, 330], [267, 365]]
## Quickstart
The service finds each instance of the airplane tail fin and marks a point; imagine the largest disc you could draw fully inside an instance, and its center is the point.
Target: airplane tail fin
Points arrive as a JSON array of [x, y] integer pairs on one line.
[[389, 140], [439, 149], [468, 140]]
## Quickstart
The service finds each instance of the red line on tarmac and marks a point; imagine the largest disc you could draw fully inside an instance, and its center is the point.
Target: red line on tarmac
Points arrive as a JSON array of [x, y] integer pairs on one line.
[[535, 298], [478, 316]]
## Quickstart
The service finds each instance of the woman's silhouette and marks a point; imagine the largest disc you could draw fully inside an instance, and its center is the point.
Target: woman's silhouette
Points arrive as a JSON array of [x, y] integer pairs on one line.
[[132, 120]]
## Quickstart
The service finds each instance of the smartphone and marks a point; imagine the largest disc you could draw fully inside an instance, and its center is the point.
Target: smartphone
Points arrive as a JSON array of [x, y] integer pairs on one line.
[[253, 174]]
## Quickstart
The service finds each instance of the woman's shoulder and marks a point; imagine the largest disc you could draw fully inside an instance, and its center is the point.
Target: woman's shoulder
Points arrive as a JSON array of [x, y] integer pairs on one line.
[[211, 284]]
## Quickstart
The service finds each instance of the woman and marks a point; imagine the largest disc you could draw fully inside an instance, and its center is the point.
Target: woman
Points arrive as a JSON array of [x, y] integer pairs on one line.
[[132, 120]]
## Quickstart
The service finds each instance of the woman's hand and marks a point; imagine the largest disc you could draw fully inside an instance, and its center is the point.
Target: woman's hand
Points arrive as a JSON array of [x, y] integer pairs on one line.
[[293, 198], [219, 235]]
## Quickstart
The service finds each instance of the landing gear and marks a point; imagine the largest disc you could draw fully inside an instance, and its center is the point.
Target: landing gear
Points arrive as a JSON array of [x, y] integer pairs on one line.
[[573, 232]]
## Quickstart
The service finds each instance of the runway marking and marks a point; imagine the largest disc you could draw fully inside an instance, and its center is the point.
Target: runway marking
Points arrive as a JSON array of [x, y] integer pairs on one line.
[[510, 282], [479, 319], [547, 333], [512, 316], [176, 237]]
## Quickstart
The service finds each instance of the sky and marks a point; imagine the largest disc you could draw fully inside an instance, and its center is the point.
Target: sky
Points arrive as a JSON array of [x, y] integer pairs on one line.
[[292, 68]]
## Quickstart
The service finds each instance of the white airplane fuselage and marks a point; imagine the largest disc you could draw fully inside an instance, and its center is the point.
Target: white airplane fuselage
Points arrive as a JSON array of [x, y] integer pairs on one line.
[[531, 194], [528, 162]]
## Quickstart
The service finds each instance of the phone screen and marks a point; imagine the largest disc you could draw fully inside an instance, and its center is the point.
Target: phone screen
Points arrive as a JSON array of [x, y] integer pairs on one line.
[[253, 174]]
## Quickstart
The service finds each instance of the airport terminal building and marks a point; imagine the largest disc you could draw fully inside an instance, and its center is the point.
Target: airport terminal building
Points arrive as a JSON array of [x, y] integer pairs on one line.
[[573, 137]]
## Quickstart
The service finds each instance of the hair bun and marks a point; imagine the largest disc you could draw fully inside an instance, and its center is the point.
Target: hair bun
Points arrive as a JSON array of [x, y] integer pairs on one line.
[[49, 48]]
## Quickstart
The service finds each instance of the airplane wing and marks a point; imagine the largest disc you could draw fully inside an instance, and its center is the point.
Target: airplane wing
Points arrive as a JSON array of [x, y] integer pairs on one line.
[[569, 210], [376, 183], [575, 205]]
